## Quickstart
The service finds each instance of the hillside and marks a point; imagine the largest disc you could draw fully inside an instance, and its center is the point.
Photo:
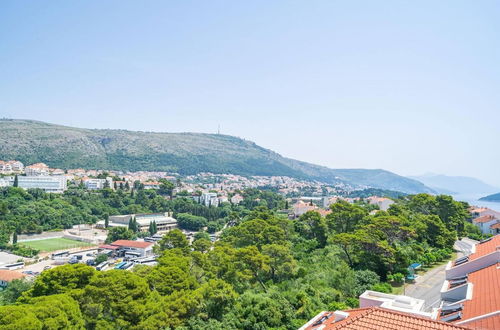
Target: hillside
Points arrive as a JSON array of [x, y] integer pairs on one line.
[[186, 153], [455, 184], [491, 198]]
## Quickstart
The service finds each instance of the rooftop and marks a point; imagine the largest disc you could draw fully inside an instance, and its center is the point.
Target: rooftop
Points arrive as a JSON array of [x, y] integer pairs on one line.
[[134, 244], [485, 248], [484, 218], [377, 318], [485, 295], [10, 275]]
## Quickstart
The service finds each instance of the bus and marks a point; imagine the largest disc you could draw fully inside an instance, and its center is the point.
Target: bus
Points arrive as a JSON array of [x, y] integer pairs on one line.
[[62, 254], [16, 265], [102, 265]]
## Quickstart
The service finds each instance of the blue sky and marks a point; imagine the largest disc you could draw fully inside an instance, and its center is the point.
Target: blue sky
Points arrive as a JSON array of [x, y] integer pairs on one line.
[[407, 86]]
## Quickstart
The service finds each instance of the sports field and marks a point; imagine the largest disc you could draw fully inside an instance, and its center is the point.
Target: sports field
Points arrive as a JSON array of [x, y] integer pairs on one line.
[[53, 244]]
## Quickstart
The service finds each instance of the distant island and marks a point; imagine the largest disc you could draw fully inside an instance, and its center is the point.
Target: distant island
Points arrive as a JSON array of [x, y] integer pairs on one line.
[[491, 198]]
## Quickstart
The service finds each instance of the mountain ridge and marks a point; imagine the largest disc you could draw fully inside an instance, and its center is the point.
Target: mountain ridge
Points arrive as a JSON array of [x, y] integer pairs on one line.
[[455, 184], [186, 153]]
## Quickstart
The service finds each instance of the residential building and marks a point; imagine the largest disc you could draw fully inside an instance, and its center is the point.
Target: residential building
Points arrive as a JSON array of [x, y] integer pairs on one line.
[[471, 291], [164, 221], [374, 318], [301, 207], [482, 211], [236, 199], [7, 276], [11, 166], [383, 203], [38, 169], [486, 224], [95, 184], [209, 199]]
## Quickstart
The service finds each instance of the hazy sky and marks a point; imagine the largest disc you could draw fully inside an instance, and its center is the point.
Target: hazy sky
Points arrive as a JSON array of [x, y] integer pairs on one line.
[[408, 86]]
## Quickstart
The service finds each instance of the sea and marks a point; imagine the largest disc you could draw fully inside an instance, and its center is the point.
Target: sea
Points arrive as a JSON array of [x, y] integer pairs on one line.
[[474, 201]]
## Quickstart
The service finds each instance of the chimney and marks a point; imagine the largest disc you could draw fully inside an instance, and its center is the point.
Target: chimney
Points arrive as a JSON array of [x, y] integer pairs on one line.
[[340, 315]]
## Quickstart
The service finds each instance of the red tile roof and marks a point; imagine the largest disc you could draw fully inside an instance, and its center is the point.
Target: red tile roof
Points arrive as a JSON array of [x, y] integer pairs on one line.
[[377, 318], [10, 275], [484, 218], [485, 248], [485, 294], [134, 244], [495, 226], [487, 323], [108, 247]]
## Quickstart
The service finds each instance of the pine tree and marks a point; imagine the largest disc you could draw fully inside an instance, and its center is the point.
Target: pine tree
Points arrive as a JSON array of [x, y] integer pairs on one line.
[[106, 222], [151, 229], [127, 186], [155, 228], [16, 181], [14, 238]]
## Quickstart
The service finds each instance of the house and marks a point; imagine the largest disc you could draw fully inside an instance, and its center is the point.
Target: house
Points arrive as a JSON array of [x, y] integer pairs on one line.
[[383, 203], [481, 211], [134, 248], [236, 199], [164, 221], [485, 223], [11, 166], [37, 169], [374, 318], [471, 291], [7, 276], [301, 207]]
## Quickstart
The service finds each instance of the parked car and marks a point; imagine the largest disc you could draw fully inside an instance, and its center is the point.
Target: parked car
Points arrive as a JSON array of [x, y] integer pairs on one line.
[[91, 262], [47, 267], [78, 256], [73, 261]]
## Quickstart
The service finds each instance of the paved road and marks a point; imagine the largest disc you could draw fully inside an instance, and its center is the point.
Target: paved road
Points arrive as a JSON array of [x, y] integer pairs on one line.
[[428, 285]]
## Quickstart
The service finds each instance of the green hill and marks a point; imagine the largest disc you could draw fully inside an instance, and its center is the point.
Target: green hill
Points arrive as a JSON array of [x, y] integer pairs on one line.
[[491, 198], [185, 153]]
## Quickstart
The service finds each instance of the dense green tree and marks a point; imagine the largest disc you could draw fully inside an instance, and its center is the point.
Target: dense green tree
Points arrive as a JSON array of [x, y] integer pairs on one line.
[[117, 233], [174, 239], [114, 298], [345, 216], [61, 280]]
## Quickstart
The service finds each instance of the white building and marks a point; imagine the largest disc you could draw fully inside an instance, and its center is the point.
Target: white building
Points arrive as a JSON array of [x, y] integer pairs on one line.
[[209, 199], [12, 166], [52, 184], [486, 224], [164, 221], [382, 202], [38, 169], [94, 184]]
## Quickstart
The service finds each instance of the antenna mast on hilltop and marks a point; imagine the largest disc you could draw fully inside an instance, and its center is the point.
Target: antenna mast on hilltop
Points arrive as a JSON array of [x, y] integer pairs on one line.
[[218, 129]]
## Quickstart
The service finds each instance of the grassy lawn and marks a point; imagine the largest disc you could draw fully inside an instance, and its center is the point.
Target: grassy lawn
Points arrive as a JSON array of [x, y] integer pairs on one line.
[[53, 244]]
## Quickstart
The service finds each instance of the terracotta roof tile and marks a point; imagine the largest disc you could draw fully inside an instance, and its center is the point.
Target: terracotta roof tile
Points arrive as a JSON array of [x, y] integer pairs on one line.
[[485, 293], [134, 244], [377, 318], [485, 248], [484, 218], [10, 275]]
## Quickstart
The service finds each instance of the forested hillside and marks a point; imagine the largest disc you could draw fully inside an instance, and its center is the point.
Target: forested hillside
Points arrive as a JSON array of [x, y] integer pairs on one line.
[[266, 272], [185, 153]]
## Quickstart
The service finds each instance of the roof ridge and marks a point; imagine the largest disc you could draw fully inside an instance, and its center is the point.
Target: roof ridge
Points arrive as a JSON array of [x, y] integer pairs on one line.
[[349, 320]]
